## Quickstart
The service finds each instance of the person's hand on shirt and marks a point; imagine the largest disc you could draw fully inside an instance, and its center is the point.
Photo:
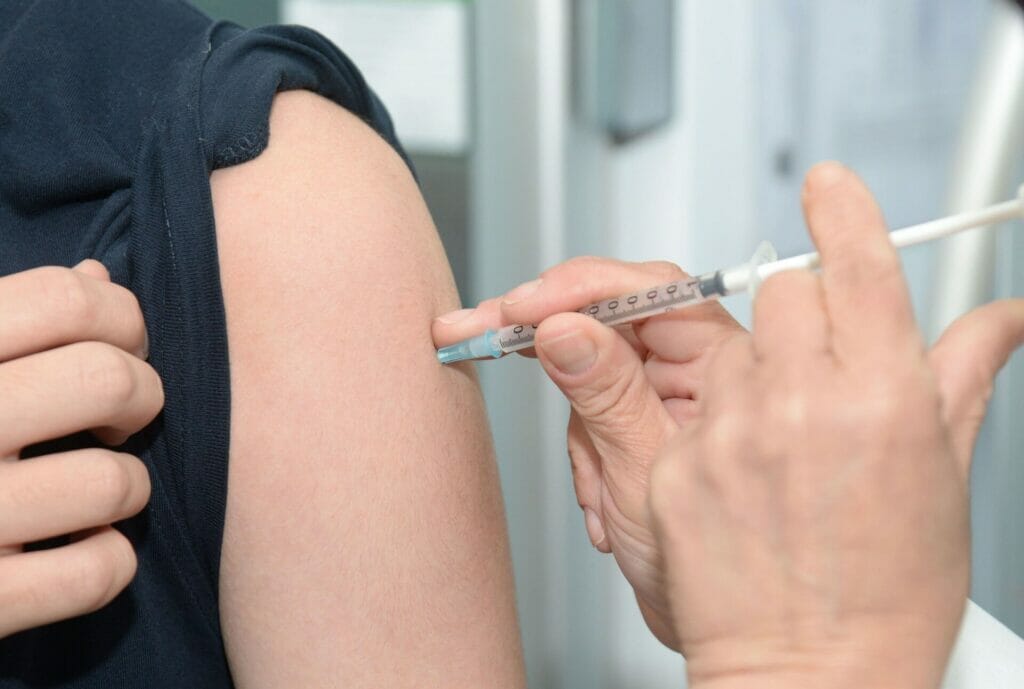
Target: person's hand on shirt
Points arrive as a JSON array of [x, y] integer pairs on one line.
[[72, 350]]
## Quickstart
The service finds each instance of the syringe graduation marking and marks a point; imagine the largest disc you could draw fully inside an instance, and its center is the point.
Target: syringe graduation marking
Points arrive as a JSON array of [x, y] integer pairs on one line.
[[630, 307]]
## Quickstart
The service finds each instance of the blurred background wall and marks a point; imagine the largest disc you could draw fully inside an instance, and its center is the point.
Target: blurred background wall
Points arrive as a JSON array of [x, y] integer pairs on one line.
[[681, 129]]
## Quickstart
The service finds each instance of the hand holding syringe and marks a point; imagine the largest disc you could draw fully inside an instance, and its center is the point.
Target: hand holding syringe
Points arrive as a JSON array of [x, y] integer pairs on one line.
[[829, 357], [716, 284]]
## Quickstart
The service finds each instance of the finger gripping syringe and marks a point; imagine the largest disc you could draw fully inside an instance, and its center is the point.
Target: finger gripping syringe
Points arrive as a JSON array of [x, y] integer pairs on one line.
[[716, 284]]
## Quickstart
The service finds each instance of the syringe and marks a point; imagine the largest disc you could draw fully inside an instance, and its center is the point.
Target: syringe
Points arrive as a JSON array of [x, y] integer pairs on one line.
[[717, 284]]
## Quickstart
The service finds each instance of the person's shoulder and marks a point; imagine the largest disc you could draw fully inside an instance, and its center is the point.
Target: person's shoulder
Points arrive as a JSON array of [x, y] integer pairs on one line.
[[246, 69], [93, 70], [330, 180], [159, 25], [96, 46]]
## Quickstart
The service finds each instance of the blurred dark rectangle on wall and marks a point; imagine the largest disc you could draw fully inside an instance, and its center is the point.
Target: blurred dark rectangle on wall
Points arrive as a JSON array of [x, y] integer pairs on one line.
[[444, 180]]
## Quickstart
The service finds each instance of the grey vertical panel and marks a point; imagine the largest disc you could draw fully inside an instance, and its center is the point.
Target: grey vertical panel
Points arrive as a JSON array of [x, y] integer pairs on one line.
[[506, 210], [587, 234]]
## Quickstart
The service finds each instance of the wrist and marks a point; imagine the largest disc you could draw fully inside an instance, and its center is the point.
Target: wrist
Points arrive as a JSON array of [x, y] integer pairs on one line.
[[876, 661], [881, 678]]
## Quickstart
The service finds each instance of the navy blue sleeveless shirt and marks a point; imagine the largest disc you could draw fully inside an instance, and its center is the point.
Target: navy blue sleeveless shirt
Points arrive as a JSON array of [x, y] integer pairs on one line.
[[112, 115]]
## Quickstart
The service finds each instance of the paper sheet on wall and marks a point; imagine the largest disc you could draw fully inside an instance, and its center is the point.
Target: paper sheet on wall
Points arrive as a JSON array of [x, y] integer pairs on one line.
[[413, 54]]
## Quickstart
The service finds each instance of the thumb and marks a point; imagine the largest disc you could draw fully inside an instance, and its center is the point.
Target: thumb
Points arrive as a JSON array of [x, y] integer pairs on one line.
[[93, 269], [967, 358], [603, 378]]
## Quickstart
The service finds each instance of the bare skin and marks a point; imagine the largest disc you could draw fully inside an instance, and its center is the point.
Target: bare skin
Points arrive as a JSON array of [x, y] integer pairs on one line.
[[365, 541], [72, 352], [659, 393]]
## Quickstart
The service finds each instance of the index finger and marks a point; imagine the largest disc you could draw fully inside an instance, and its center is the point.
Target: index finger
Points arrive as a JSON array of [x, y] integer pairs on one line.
[[567, 287], [49, 307], [866, 295]]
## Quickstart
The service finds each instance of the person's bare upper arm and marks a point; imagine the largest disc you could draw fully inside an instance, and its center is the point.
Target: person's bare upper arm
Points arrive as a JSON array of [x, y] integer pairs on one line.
[[365, 542]]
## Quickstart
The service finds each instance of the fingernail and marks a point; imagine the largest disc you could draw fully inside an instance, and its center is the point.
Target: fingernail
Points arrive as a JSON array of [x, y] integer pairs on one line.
[[456, 316], [595, 529], [521, 292], [572, 353], [145, 345], [824, 175]]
